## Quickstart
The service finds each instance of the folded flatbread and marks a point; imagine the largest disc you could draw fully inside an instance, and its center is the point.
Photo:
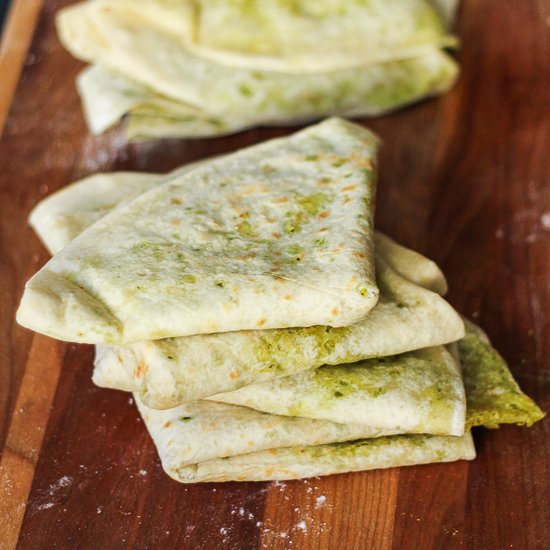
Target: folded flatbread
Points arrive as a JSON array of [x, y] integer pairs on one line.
[[492, 394], [397, 397], [277, 235], [182, 69], [249, 98], [411, 265], [415, 392], [172, 371], [322, 460], [62, 216], [275, 35]]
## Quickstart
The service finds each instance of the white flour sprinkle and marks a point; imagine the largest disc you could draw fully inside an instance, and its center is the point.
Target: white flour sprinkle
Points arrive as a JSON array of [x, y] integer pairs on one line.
[[319, 501], [64, 481], [302, 525]]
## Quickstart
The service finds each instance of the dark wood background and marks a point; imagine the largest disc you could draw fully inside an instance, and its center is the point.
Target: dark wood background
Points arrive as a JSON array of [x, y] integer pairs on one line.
[[464, 178]]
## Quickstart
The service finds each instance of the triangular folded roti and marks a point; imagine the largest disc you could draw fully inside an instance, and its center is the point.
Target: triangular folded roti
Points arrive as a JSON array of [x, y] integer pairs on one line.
[[274, 35], [350, 393], [176, 370], [147, 63], [277, 235], [336, 458], [108, 96], [213, 429], [492, 394], [62, 216], [419, 392]]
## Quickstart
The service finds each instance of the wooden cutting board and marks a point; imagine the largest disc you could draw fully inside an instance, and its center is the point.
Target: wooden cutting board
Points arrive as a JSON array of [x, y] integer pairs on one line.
[[464, 178]]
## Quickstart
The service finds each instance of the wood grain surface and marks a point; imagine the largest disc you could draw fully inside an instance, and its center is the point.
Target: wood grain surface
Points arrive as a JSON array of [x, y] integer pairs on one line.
[[464, 178]]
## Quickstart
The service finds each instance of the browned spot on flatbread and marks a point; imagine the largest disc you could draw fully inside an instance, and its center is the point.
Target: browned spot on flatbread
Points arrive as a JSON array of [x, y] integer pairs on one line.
[[234, 375], [168, 424], [324, 214], [260, 322], [141, 369], [349, 188], [281, 200]]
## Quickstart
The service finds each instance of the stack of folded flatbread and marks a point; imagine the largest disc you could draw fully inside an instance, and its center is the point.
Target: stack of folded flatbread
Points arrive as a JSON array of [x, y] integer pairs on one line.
[[199, 68], [265, 329]]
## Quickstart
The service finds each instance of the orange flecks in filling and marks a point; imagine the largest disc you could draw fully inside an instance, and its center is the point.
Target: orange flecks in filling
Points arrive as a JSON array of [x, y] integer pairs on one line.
[[334, 311], [234, 375], [349, 188], [289, 297], [248, 256], [168, 424], [276, 235], [324, 214], [347, 200], [359, 255], [281, 200], [260, 322], [323, 229]]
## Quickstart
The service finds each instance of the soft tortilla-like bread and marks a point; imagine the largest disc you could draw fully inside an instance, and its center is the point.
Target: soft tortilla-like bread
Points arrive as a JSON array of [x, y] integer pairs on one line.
[[410, 264], [153, 63], [108, 96], [335, 458], [493, 397], [62, 216], [177, 370], [274, 35], [277, 235], [419, 392]]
